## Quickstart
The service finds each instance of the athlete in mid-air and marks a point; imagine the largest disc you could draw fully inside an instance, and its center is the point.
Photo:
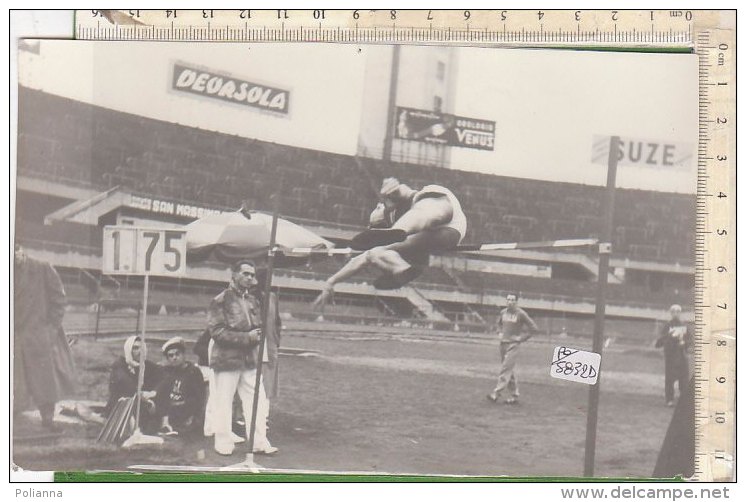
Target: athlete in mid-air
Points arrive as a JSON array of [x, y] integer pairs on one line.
[[405, 228]]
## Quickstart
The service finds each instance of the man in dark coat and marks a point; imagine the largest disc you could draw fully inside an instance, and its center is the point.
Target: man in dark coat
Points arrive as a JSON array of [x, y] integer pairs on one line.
[[235, 324], [675, 339], [676, 457], [43, 370]]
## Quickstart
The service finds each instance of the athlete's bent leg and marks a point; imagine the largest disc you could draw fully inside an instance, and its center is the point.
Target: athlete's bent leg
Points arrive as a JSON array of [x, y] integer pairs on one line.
[[388, 260]]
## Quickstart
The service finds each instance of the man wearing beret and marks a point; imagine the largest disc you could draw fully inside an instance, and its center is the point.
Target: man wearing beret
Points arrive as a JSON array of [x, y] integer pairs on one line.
[[180, 396]]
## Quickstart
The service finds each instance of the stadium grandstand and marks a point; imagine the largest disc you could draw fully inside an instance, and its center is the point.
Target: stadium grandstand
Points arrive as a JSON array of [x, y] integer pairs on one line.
[[82, 166]]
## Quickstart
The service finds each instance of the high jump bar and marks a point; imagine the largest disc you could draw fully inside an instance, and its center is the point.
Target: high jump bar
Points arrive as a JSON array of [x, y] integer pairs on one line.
[[562, 243]]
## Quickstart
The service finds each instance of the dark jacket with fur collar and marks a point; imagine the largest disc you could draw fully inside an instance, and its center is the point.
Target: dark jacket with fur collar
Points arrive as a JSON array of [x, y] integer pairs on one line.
[[234, 321]]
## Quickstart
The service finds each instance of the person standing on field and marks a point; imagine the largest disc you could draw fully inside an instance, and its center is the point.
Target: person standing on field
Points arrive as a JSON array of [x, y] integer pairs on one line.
[[43, 367], [511, 323], [234, 323], [675, 339]]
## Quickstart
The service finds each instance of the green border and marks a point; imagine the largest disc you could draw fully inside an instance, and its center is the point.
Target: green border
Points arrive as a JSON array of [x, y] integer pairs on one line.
[[170, 477]]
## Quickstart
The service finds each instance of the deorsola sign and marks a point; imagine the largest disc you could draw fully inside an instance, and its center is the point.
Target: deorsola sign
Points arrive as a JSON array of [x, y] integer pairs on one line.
[[444, 129], [212, 84]]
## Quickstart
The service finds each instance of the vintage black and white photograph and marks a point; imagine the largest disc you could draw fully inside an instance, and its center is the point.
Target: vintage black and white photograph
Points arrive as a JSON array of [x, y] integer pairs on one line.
[[400, 259]]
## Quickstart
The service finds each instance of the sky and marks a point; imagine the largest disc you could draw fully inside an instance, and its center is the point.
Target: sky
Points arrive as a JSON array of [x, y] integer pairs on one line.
[[549, 105]]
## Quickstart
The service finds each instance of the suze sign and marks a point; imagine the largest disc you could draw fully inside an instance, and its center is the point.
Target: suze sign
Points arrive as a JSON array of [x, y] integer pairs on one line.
[[144, 251], [645, 153]]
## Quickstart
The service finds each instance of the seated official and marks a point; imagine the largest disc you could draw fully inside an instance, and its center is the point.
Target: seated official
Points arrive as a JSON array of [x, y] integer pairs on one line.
[[123, 381], [180, 396]]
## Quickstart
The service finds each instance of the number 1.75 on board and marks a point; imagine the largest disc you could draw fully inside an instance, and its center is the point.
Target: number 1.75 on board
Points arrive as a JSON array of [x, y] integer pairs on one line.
[[144, 251]]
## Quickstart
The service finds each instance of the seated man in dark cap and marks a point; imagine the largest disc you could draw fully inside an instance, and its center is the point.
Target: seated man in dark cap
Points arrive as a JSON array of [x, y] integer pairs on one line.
[[404, 229], [180, 397]]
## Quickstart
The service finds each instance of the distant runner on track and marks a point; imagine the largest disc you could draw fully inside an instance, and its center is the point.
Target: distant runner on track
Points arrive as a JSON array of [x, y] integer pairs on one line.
[[405, 228]]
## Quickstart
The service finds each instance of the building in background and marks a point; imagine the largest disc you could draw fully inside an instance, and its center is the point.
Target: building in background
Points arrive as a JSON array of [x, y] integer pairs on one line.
[[419, 77]]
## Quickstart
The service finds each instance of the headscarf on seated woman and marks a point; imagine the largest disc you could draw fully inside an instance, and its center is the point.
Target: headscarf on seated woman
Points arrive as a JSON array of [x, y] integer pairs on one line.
[[125, 370]]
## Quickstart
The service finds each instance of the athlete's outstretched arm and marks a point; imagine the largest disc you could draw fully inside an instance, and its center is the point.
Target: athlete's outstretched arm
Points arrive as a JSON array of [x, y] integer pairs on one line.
[[350, 268]]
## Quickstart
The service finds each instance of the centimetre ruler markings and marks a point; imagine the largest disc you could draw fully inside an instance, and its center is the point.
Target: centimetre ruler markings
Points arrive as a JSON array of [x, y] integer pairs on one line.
[[423, 26], [715, 319], [710, 33]]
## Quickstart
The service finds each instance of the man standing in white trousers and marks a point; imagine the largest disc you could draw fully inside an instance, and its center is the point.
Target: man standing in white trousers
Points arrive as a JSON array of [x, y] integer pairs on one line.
[[234, 324]]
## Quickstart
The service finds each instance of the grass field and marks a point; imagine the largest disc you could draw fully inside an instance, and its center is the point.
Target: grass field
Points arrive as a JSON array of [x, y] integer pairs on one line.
[[406, 404]]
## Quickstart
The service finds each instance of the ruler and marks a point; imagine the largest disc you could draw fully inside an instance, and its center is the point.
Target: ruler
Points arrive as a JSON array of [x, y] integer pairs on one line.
[[711, 34], [519, 27], [715, 294]]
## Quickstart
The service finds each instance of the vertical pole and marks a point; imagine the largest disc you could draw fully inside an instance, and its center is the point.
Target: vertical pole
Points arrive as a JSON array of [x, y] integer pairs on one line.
[[137, 321], [391, 117], [604, 248], [265, 318], [141, 373], [98, 317]]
